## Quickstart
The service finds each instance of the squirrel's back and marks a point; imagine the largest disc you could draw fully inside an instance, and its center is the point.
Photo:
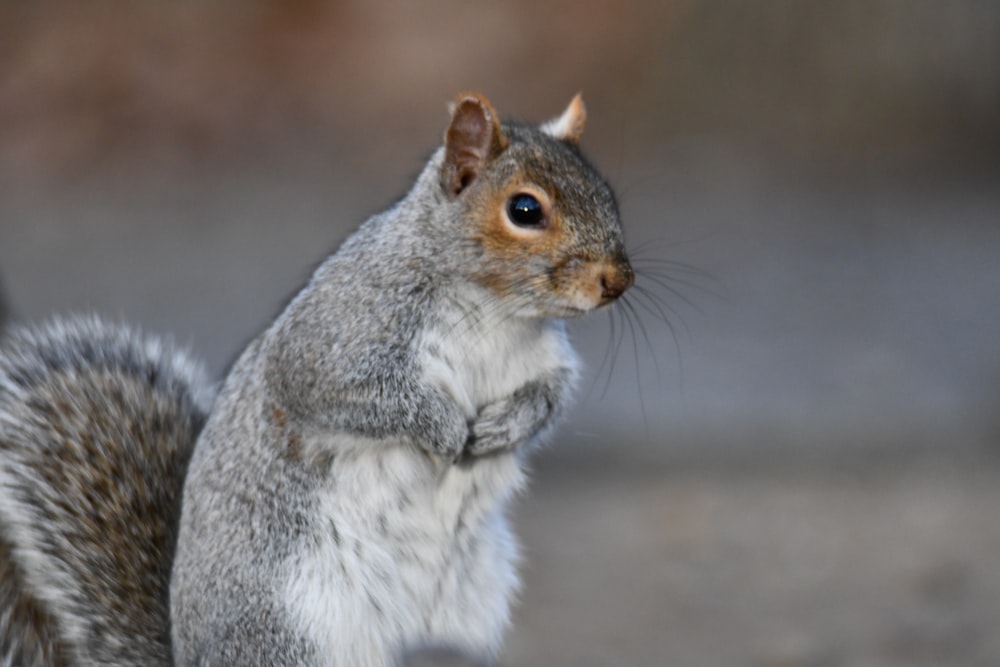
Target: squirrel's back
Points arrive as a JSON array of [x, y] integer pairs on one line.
[[97, 424]]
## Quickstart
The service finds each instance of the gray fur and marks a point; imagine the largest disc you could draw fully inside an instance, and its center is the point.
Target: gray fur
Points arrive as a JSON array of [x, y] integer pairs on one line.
[[96, 426]]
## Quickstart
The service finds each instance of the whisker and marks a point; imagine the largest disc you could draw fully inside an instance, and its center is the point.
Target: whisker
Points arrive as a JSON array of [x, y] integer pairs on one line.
[[685, 278], [661, 245], [645, 299], [653, 306], [618, 348], [628, 305], [638, 371], [674, 267], [665, 284], [637, 250], [614, 345], [659, 307], [702, 281], [476, 315], [605, 357]]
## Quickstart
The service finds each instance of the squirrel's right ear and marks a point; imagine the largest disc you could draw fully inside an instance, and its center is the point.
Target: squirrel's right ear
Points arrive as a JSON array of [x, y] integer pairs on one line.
[[473, 139]]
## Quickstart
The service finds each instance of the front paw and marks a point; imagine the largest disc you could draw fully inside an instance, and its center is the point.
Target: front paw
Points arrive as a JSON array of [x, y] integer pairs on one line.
[[510, 423], [491, 431], [442, 430]]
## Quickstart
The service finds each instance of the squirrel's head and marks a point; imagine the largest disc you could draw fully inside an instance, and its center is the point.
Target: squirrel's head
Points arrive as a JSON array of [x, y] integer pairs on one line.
[[542, 223]]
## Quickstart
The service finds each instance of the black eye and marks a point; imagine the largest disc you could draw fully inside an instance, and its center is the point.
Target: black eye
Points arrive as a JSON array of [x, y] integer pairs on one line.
[[525, 211]]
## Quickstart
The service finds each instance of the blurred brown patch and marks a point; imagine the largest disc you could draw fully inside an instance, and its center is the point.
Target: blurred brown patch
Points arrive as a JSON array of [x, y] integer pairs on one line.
[[101, 85]]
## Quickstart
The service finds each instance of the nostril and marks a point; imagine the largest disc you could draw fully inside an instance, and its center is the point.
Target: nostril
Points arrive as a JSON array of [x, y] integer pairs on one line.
[[612, 286]]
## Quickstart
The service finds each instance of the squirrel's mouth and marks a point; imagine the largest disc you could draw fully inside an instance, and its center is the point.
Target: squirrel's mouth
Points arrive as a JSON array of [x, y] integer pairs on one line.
[[587, 286]]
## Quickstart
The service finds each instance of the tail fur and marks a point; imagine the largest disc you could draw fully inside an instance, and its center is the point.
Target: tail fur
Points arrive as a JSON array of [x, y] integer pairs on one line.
[[97, 424]]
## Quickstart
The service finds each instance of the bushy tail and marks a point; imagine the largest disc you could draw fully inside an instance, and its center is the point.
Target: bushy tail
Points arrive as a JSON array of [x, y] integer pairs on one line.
[[96, 427]]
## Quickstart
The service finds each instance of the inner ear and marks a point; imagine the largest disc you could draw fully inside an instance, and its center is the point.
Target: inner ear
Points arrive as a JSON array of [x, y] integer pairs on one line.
[[473, 139]]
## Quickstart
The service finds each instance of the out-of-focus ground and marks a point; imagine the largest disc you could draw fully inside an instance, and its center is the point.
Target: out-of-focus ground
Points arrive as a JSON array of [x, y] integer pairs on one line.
[[808, 475], [776, 567]]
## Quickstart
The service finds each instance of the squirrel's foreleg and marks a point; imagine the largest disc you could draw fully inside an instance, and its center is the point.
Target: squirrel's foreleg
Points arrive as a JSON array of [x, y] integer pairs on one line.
[[521, 417]]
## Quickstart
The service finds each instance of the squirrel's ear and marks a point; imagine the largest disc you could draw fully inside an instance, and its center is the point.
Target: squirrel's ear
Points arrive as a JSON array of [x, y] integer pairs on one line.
[[568, 126], [473, 139]]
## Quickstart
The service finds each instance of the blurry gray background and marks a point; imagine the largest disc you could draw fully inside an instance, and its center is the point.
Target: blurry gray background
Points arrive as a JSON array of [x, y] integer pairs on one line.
[[806, 474]]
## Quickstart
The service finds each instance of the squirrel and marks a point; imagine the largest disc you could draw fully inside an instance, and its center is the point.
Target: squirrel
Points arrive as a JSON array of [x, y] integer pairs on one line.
[[342, 499]]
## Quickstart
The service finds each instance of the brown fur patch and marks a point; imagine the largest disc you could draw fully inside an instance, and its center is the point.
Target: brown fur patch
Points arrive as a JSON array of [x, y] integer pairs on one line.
[[279, 416], [508, 245], [293, 448], [291, 437]]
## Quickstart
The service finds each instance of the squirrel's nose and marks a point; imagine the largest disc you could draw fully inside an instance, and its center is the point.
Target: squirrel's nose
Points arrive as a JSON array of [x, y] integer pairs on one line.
[[615, 280]]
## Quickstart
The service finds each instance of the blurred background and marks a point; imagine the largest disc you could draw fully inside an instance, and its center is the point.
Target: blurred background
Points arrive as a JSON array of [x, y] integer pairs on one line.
[[802, 469]]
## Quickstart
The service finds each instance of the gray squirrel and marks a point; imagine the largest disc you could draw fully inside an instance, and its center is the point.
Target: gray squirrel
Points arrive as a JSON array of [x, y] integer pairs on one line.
[[344, 494]]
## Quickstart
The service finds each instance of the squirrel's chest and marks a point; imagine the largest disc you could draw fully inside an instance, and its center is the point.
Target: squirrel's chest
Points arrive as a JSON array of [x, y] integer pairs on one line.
[[479, 359], [406, 554]]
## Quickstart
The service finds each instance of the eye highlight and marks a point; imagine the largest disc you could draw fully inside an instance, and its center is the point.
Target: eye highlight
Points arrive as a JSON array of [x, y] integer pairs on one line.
[[525, 211]]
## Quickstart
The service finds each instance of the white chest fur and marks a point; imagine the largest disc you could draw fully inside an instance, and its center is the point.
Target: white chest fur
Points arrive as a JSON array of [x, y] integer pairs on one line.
[[408, 553], [480, 354]]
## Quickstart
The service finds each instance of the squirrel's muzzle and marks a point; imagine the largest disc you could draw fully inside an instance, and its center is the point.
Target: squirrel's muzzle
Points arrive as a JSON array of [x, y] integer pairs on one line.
[[592, 284], [614, 280]]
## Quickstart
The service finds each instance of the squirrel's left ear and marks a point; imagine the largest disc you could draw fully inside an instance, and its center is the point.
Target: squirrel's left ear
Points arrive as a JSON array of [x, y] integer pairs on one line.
[[568, 126], [473, 139]]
